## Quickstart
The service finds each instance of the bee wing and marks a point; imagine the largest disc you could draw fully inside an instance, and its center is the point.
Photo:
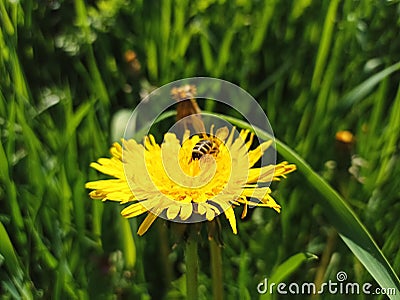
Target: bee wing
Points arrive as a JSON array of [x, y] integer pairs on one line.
[[222, 133], [197, 123]]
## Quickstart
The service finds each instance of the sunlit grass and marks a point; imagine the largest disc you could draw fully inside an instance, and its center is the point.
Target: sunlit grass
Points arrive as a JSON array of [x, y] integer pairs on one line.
[[315, 67]]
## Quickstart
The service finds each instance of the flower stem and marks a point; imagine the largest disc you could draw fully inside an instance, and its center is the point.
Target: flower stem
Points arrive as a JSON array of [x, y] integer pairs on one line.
[[192, 266], [216, 270]]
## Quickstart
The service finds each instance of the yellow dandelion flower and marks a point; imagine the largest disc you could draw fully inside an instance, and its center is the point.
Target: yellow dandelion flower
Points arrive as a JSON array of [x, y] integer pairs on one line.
[[165, 180], [345, 137]]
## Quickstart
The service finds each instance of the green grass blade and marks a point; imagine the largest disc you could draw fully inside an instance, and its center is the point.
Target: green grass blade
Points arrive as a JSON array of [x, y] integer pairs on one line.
[[45, 254], [361, 90], [77, 118], [8, 252], [152, 61], [341, 216], [224, 51], [8, 26], [11, 194], [285, 269], [206, 53], [262, 25], [129, 247], [12, 263], [166, 12], [325, 44], [392, 137]]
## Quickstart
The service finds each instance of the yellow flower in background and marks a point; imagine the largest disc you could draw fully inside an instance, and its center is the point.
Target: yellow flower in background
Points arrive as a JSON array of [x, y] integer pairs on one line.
[[165, 180]]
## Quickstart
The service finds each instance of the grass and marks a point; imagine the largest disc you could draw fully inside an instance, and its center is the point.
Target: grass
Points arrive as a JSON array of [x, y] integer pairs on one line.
[[315, 68]]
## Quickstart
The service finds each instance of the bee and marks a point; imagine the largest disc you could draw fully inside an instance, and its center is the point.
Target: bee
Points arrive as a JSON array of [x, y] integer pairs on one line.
[[190, 113], [209, 145], [203, 147]]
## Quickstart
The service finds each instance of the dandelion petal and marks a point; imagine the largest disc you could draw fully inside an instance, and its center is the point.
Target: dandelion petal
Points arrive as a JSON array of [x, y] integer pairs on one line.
[[146, 223], [230, 215]]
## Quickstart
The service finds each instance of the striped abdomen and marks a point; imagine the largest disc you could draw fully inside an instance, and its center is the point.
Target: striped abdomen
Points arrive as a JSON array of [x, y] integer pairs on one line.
[[202, 148]]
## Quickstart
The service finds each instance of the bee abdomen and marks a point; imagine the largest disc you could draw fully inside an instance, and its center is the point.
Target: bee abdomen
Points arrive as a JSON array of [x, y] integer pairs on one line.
[[202, 148]]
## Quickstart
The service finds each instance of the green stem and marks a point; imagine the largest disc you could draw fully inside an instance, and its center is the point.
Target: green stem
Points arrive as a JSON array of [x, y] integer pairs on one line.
[[216, 270], [192, 266]]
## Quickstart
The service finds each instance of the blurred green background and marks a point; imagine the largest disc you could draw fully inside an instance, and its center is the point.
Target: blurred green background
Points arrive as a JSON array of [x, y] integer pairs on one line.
[[67, 68]]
